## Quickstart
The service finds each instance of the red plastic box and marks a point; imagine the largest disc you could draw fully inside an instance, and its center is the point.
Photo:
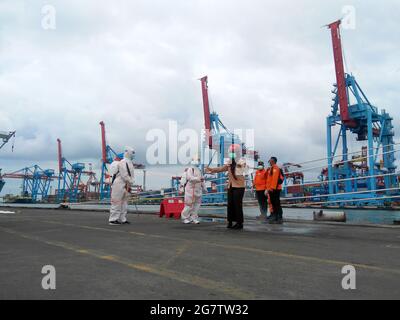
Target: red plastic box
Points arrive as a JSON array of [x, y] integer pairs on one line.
[[171, 207]]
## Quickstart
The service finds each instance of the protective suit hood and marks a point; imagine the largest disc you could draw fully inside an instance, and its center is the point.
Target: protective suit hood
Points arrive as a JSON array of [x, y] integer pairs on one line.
[[129, 153]]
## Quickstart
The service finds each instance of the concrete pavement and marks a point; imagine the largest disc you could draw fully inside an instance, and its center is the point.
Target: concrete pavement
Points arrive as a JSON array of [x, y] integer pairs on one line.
[[156, 258]]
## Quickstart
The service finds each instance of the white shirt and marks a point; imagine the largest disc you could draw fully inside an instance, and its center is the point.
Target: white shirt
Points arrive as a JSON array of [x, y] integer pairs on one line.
[[241, 167]]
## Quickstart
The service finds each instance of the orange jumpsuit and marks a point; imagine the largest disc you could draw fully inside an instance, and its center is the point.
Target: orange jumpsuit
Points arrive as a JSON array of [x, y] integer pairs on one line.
[[260, 180], [274, 190], [259, 184]]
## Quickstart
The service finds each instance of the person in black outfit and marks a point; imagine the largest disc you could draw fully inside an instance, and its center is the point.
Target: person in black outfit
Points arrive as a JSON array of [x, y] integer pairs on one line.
[[235, 207], [275, 179], [236, 177]]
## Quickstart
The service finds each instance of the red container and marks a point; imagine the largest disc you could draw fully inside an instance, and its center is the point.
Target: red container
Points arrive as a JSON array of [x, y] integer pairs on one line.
[[295, 189], [171, 207]]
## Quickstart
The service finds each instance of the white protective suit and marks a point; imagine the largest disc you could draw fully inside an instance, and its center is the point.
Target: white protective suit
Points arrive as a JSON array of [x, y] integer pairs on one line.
[[121, 186], [194, 187]]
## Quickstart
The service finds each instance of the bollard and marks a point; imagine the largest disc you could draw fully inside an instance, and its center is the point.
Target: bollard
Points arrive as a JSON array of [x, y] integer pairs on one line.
[[333, 216]]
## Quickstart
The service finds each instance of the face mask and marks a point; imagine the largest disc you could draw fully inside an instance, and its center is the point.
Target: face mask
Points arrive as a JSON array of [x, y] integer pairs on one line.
[[260, 167], [232, 155], [130, 156]]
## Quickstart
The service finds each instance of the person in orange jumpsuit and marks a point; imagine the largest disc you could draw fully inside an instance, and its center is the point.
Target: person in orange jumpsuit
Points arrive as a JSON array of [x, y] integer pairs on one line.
[[267, 183], [259, 184], [274, 182]]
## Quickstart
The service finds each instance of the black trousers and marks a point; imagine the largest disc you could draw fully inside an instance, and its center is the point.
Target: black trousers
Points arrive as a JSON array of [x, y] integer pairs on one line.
[[235, 205], [262, 201], [275, 198]]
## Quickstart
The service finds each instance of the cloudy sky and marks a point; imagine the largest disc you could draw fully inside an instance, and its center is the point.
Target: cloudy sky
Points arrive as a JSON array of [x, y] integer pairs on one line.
[[136, 64]]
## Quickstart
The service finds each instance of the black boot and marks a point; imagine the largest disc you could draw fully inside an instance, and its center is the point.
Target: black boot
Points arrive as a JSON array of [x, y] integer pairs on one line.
[[272, 219], [229, 226], [238, 226]]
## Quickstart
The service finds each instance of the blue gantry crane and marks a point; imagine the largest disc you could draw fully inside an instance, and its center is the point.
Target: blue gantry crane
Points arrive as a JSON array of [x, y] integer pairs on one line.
[[217, 141], [353, 112], [69, 178], [35, 182]]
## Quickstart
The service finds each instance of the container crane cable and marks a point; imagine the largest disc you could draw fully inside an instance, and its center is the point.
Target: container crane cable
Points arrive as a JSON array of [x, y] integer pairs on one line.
[[342, 162], [299, 185], [349, 153], [309, 169], [341, 155], [212, 110], [303, 184], [148, 195]]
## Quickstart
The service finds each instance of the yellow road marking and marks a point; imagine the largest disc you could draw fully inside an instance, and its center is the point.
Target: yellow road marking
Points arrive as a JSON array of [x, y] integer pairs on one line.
[[249, 249], [236, 247], [194, 280], [179, 251]]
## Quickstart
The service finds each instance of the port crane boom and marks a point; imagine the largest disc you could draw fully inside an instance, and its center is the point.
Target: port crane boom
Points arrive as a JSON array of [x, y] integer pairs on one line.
[[5, 137], [362, 119]]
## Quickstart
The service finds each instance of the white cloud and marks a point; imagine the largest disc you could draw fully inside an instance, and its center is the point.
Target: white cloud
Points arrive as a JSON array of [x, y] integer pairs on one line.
[[135, 65]]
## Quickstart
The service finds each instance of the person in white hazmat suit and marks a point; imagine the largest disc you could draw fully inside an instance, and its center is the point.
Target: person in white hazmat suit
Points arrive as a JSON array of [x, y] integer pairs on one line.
[[122, 180], [194, 186]]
